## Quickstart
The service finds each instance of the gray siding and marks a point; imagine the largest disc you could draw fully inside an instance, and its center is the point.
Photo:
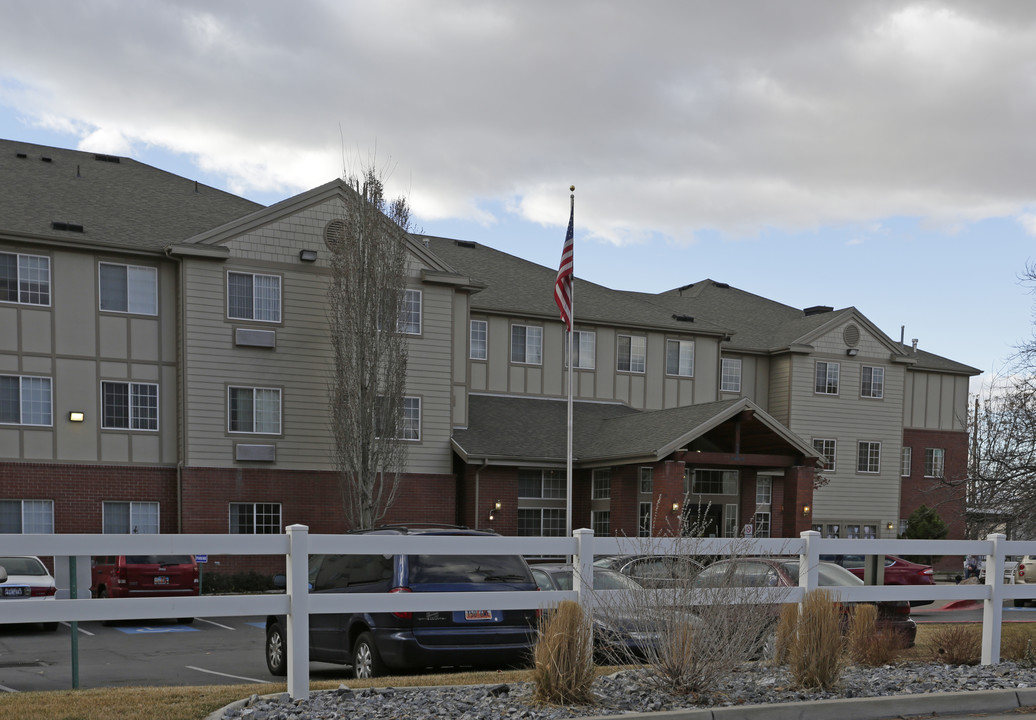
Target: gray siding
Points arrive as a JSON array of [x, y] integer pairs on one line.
[[935, 401]]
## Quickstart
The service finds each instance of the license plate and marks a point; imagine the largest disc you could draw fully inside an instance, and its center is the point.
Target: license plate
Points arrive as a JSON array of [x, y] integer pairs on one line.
[[478, 614], [14, 592], [161, 579]]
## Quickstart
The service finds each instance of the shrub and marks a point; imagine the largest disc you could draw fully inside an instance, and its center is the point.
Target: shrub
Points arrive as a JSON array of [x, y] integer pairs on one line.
[[563, 669], [869, 644], [1018, 648], [789, 618], [956, 644], [815, 657]]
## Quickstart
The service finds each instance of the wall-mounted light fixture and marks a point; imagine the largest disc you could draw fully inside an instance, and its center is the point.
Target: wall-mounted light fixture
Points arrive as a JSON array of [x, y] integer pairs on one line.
[[805, 510], [495, 509], [76, 416], [676, 506], [888, 526], [852, 352], [307, 255]]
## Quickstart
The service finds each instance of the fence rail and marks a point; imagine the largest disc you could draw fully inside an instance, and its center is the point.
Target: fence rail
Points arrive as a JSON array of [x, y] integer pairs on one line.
[[296, 545]]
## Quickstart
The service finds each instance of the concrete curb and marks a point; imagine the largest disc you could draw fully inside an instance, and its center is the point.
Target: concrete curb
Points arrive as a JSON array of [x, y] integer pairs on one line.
[[893, 706]]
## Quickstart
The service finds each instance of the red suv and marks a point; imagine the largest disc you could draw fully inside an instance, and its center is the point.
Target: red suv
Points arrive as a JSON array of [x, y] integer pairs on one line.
[[144, 576]]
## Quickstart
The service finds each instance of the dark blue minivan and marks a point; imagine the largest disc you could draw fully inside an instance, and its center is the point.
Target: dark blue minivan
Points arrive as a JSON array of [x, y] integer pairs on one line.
[[378, 643]]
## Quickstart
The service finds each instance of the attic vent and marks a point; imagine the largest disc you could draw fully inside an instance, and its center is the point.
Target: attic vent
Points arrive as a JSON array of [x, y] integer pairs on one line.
[[22, 155], [466, 244], [817, 310], [44, 158], [107, 158], [334, 235], [70, 227], [851, 335], [683, 318], [721, 285]]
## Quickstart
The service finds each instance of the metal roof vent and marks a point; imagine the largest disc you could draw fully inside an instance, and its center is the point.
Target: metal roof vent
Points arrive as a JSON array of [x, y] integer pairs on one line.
[[683, 318], [69, 227], [817, 310], [851, 335], [334, 234], [107, 158], [466, 244]]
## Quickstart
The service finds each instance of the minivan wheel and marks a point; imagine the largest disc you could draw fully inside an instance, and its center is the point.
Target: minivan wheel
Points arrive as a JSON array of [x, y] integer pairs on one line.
[[366, 660], [276, 661]]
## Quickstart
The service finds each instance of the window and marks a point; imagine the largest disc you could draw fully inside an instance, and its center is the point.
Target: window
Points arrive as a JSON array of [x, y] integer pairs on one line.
[[128, 288], [763, 490], [546, 484], [584, 346], [934, 462], [730, 526], [679, 358], [526, 344], [129, 406], [25, 279], [601, 522], [253, 297], [25, 400], [130, 518], [905, 461], [644, 520], [537, 522], [873, 382], [255, 410], [868, 457], [255, 518], [826, 448], [632, 353], [479, 340], [411, 418], [26, 516], [714, 482], [602, 484], [833, 531], [870, 532], [852, 532], [647, 480], [410, 313], [762, 525], [827, 378], [730, 375]]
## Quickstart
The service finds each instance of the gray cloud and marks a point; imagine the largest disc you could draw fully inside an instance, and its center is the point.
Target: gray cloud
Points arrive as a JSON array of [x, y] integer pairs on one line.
[[674, 117]]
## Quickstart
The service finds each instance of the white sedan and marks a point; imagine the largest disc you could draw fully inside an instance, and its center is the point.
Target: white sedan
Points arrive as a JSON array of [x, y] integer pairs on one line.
[[27, 579]]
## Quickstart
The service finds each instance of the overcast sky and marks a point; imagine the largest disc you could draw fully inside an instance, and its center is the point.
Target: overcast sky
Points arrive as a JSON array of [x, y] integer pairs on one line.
[[874, 154]]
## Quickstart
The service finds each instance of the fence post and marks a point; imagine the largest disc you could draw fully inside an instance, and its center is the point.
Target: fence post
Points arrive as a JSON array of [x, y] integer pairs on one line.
[[993, 606], [809, 562], [297, 588], [583, 567]]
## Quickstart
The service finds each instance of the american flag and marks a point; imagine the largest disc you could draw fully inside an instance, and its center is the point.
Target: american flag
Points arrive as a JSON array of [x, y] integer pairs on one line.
[[563, 285]]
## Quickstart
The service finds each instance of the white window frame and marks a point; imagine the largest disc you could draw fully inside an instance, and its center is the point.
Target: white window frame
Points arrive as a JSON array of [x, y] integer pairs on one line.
[[647, 480], [138, 513], [873, 462], [410, 321], [830, 465], [601, 522], [531, 344], [37, 515], [36, 385], [730, 481], [584, 345], [601, 484], [934, 462], [684, 358], [478, 340], [761, 525], [411, 418], [633, 355], [905, 461], [554, 517], [763, 490], [259, 294], [134, 395], [730, 375], [31, 281], [256, 517], [644, 513], [831, 372], [730, 520], [138, 297], [872, 382], [552, 485], [255, 395]]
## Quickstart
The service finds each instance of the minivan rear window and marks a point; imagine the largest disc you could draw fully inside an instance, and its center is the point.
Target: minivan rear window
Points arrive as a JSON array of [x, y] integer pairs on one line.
[[158, 560], [468, 569]]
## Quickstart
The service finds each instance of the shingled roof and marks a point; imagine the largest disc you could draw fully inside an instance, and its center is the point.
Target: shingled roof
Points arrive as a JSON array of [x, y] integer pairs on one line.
[[68, 196]]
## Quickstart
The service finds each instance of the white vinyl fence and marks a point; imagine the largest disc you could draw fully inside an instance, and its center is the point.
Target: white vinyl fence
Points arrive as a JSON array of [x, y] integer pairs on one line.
[[296, 603]]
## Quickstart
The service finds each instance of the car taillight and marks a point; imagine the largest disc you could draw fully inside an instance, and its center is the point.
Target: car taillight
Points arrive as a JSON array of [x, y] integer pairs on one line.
[[44, 591], [402, 615], [120, 575], [926, 571], [1021, 571]]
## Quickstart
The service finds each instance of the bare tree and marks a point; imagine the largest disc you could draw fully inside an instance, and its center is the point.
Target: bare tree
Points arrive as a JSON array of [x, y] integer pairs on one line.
[[366, 300]]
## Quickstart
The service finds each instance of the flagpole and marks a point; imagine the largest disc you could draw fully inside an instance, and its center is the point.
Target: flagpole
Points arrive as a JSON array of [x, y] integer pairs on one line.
[[571, 363]]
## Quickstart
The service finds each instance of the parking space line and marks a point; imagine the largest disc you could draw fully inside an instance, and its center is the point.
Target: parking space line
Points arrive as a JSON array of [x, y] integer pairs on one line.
[[78, 627], [233, 677], [212, 622], [4, 688]]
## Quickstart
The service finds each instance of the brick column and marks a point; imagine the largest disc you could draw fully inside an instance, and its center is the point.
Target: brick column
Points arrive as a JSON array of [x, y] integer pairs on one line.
[[667, 488], [798, 492]]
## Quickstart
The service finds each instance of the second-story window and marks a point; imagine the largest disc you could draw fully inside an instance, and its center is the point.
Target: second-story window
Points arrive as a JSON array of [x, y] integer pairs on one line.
[[905, 459], [872, 383], [934, 462], [25, 279], [584, 347], [526, 344], [128, 288], [129, 406], [410, 313], [254, 410], [679, 358], [25, 400], [827, 378], [730, 375], [479, 347], [868, 457], [632, 353], [826, 448], [601, 488], [251, 296]]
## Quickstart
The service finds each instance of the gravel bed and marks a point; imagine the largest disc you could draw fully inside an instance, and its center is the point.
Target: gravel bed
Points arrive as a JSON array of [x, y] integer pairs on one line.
[[627, 691]]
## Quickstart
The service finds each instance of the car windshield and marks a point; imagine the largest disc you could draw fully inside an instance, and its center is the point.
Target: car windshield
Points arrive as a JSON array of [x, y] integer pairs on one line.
[[829, 574], [22, 566], [468, 569], [603, 580], [158, 559]]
